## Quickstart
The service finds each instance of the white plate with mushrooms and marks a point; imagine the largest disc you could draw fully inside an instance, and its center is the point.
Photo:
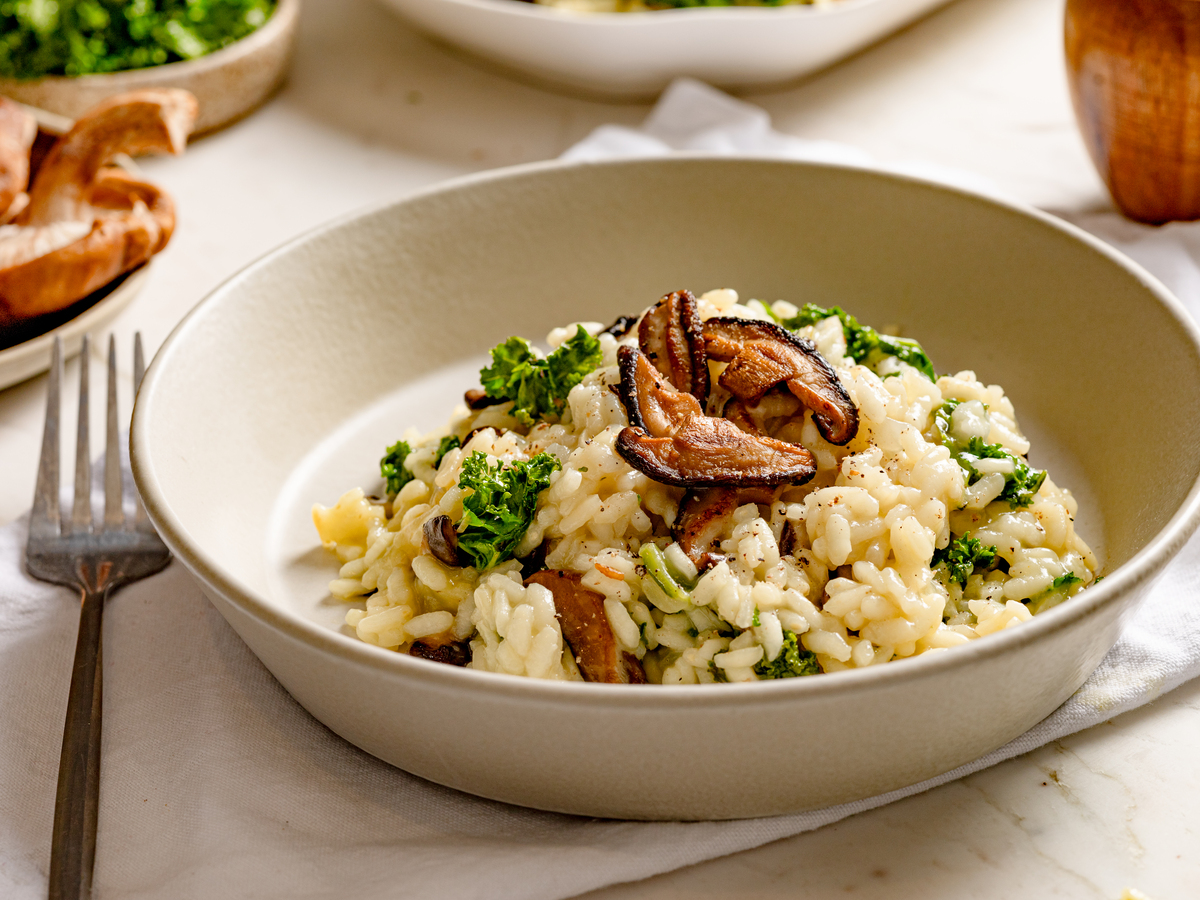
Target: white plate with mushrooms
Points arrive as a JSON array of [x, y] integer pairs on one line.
[[388, 314], [80, 223]]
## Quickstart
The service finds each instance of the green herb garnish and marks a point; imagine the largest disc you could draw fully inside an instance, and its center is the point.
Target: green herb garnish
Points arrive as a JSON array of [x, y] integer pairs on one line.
[[391, 467], [962, 555], [501, 505], [1020, 485], [82, 37], [538, 386], [792, 661], [864, 344], [1059, 590]]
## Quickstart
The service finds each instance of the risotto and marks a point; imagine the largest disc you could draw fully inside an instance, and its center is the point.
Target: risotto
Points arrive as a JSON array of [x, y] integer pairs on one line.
[[713, 491]]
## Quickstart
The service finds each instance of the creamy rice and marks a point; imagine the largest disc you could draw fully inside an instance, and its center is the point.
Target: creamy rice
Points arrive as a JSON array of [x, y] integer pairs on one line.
[[856, 586]]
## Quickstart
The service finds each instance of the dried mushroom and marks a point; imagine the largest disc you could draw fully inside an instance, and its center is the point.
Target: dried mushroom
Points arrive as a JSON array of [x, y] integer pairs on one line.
[[673, 442], [87, 222], [671, 335], [450, 652], [586, 629], [761, 355]]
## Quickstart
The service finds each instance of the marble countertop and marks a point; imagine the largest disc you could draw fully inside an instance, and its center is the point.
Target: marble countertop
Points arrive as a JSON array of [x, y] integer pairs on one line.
[[375, 111]]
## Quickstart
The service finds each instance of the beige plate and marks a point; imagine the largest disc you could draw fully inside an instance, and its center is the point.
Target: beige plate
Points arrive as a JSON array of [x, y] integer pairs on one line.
[[228, 84], [284, 385]]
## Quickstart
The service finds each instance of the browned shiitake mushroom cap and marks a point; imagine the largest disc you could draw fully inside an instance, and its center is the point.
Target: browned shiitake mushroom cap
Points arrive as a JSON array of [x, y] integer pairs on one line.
[[673, 442], [113, 221], [671, 335], [761, 355], [586, 629]]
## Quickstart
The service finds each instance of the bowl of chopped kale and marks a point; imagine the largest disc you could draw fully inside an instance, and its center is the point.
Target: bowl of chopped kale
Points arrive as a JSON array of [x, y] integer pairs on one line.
[[69, 55]]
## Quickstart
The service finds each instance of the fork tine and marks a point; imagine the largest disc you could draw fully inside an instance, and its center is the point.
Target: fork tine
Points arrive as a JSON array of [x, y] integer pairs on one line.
[[81, 514], [45, 516], [139, 363], [114, 514], [140, 519]]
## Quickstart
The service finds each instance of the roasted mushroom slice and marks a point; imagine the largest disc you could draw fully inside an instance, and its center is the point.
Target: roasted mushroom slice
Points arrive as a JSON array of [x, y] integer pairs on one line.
[[670, 334], [673, 442], [442, 540], [477, 398], [703, 516], [621, 327], [85, 224], [762, 355], [586, 630], [17, 131], [450, 652]]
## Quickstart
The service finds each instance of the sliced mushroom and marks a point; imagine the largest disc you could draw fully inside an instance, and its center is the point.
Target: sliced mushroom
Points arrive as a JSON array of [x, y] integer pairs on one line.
[[85, 224], [762, 355], [673, 442], [442, 540], [450, 652], [477, 398], [704, 515], [671, 336], [621, 326], [17, 131], [586, 629]]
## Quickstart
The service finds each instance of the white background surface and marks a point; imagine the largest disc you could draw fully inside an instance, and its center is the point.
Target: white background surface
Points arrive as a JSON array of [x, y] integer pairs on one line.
[[374, 111]]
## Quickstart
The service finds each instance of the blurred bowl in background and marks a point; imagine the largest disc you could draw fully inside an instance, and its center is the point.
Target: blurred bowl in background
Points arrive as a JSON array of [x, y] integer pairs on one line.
[[228, 84], [635, 55]]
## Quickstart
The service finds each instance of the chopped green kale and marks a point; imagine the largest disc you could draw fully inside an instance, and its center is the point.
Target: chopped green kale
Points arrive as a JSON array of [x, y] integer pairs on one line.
[[792, 661], [538, 386], [501, 505], [864, 344], [962, 555], [445, 445], [1059, 590], [1020, 485], [82, 37], [391, 467]]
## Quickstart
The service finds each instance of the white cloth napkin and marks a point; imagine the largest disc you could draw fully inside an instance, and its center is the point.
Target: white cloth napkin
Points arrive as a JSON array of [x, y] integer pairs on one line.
[[217, 784]]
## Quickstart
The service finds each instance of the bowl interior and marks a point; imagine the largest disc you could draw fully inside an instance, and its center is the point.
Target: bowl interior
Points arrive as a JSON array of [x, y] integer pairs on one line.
[[282, 388]]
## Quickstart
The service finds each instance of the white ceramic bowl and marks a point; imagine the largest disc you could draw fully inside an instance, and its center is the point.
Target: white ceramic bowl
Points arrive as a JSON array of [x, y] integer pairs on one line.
[[283, 385], [637, 54], [228, 84]]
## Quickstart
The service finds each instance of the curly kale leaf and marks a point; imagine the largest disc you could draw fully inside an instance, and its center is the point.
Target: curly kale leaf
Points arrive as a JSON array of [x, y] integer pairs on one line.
[[962, 555], [501, 505], [391, 467], [864, 344], [538, 386], [1020, 486], [792, 661], [81, 37]]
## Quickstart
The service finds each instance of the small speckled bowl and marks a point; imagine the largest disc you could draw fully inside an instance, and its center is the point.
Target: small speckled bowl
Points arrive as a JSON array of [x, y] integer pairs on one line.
[[283, 385], [228, 84]]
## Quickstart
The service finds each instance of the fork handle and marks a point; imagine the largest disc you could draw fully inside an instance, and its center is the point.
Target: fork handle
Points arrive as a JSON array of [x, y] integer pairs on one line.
[[73, 848]]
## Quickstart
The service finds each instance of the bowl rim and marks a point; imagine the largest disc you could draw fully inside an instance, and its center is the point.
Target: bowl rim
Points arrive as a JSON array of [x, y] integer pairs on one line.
[[1145, 565], [640, 18], [281, 20]]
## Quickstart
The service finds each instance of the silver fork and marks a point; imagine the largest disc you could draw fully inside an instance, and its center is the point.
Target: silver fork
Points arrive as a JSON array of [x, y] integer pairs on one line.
[[94, 561]]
